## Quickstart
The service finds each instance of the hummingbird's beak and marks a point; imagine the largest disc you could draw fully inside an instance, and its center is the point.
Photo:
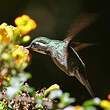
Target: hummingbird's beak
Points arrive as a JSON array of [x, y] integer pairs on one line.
[[27, 47]]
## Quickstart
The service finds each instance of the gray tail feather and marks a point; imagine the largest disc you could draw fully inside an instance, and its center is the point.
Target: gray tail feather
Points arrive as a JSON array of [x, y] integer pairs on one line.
[[85, 83]]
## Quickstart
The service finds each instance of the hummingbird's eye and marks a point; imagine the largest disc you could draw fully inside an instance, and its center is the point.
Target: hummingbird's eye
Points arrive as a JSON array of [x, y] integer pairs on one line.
[[33, 45]]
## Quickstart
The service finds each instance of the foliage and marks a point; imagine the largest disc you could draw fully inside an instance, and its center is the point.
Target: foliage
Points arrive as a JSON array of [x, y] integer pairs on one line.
[[15, 93]]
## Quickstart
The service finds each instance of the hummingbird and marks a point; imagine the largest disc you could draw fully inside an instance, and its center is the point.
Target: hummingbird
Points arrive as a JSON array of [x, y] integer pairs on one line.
[[64, 52]]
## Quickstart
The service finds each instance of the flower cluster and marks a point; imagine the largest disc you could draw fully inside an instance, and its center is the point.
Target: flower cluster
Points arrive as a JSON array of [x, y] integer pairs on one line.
[[52, 98], [14, 58], [9, 33], [26, 98]]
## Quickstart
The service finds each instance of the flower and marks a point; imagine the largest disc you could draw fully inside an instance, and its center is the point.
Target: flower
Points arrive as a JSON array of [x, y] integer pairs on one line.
[[7, 33], [69, 108], [2, 78], [4, 37], [105, 104], [25, 24], [20, 54], [11, 91], [109, 97], [26, 38], [78, 107], [51, 88]]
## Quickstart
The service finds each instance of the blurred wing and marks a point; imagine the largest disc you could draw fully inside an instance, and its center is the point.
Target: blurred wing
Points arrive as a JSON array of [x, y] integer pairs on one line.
[[80, 23], [78, 46]]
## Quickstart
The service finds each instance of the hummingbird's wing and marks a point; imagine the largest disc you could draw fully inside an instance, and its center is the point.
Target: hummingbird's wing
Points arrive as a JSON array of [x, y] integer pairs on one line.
[[80, 23], [78, 46], [77, 67]]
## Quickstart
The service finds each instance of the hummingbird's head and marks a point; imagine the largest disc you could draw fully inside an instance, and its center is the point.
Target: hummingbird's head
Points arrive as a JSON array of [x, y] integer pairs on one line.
[[40, 45]]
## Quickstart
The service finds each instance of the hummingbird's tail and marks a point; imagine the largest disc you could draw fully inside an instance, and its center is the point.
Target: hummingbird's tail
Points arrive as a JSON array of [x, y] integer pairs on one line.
[[85, 83]]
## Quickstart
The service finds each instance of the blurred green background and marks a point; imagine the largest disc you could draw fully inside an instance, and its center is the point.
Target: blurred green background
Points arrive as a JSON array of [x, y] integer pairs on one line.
[[54, 18]]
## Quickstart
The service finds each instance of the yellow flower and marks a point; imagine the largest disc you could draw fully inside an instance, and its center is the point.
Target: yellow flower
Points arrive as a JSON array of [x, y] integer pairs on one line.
[[78, 107], [105, 104], [7, 78], [20, 54], [7, 32], [25, 24], [26, 38], [53, 87], [4, 37]]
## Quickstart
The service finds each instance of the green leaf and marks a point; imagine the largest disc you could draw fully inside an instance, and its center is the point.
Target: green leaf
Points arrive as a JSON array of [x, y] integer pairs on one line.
[[3, 106], [90, 108], [66, 100], [95, 101]]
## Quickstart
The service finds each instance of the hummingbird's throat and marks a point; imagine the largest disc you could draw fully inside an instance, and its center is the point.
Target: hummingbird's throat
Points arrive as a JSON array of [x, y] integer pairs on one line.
[[39, 51]]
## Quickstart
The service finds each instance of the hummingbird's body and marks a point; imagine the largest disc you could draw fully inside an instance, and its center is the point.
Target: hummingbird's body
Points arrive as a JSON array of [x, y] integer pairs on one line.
[[58, 53], [64, 55]]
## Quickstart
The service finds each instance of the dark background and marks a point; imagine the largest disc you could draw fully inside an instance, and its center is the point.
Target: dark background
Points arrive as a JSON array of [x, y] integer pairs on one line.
[[54, 18]]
